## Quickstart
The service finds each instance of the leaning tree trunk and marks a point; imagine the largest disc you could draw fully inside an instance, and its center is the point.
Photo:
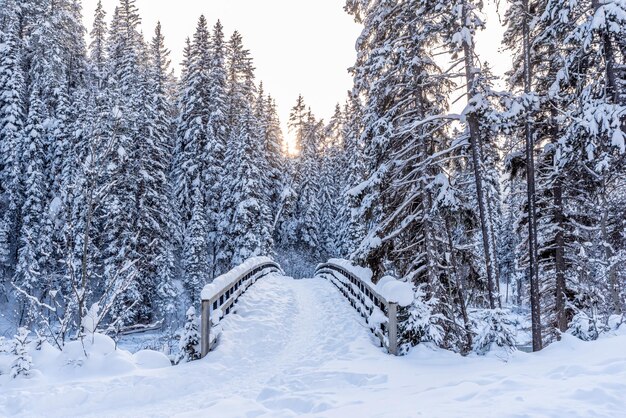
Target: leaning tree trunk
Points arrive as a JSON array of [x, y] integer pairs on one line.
[[477, 160]]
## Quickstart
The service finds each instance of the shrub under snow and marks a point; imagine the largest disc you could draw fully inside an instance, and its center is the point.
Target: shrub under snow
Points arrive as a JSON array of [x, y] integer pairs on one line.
[[495, 329], [23, 362], [421, 323], [190, 339], [584, 326]]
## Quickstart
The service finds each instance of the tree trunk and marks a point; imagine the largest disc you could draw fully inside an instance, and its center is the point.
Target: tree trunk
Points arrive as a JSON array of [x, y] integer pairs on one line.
[[559, 257], [477, 159], [535, 300], [460, 291]]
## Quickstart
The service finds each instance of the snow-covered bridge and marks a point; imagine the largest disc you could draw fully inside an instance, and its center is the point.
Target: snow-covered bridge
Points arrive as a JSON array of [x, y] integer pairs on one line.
[[297, 347], [377, 304]]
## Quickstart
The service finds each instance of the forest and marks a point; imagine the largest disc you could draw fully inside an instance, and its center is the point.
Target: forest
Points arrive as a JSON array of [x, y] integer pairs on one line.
[[125, 186]]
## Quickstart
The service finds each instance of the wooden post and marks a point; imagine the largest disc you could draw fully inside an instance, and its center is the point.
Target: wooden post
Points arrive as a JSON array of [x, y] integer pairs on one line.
[[392, 323], [206, 328]]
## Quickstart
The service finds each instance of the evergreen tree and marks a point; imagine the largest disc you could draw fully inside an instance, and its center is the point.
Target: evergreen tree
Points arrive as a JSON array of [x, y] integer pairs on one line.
[[155, 214], [30, 255], [217, 140], [189, 344], [11, 130], [191, 163], [125, 98], [23, 362]]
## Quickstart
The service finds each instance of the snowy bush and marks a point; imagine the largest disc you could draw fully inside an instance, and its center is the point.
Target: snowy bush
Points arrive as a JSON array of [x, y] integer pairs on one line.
[[584, 326], [23, 362], [495, 327], [420, 322], [190, 339]]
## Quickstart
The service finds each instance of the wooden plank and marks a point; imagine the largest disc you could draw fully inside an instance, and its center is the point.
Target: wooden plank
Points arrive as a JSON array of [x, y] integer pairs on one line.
[[392, 324], [206, 328]]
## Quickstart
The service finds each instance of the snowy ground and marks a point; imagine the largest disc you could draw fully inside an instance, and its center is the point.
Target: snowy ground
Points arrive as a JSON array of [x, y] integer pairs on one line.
[[296, 347]]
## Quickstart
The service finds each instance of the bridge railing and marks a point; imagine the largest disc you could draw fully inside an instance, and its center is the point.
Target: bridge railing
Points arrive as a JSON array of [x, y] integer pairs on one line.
[[220, 296], [381, 315]]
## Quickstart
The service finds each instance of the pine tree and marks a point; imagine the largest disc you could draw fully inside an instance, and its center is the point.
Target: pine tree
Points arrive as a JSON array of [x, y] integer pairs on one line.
[[276, 164], [195, 251], [194, 119], [189, 344], [330, 189], [246, 224], [125, 98], [242, 135], [217, 139], [97, 48], [352, 226], [23, 362], [194, 140], [11, 130], [30, 256], [155, 213], [308, 203]]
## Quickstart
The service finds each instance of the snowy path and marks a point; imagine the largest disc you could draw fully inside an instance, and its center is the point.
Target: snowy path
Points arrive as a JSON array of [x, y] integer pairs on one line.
[[296, 348]]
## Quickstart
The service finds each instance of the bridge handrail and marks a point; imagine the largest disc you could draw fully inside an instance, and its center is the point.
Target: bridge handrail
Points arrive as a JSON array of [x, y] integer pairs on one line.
[[219, 297], [366, 300]]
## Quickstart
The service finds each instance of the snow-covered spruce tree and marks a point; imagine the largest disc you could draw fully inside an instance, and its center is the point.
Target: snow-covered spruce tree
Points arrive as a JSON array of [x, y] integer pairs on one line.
[[261, 159], [30, 257], [190, 162], [97, 47], [244, 153], [352, 228], [419, 322], [408, 194], [59, 61], [23, 362], [217, 139], [332, 179], [155, 210], [11, 130], [287, 217], [576, 137], [189, 344], [495, 328], [585, 326], [308, 203], [593, 143], [125, 99], [276, 166], [299, 224], [195, 251], [246, 225]]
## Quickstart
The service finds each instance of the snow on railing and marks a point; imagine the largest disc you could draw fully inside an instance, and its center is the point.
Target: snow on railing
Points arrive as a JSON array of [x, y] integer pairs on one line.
[[219, 296], [376, 303]]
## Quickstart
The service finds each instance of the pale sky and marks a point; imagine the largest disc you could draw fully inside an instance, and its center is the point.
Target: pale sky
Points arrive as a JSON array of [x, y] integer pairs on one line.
[[299, 46]]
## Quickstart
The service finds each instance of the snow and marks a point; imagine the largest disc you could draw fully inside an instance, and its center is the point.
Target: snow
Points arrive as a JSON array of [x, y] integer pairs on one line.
[[362, 273], [396, 291], [617, 140], [296, 347], [388, 287], [225, 280], [149, 359]]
